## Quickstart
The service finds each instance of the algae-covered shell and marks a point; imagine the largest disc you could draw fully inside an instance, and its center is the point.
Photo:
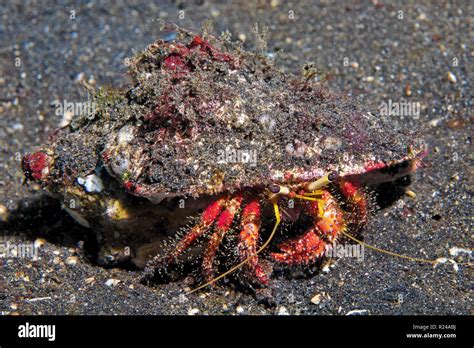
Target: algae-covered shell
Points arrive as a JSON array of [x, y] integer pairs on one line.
[[203, 116]]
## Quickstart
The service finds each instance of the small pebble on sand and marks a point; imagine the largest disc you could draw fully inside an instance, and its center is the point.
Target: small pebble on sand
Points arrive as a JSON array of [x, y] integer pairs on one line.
[[112, 282], [316, 299], [408, 90], [71, 260], [3, 213], [89, 280], [451, 77], [358, 312], [39, 242], [193, 311]]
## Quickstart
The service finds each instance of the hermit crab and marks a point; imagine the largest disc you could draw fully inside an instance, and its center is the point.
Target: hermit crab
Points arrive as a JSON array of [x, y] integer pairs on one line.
[[212, 145]]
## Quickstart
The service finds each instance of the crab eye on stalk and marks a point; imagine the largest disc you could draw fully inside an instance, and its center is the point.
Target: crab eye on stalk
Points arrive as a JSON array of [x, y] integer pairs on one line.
[[274, 188], [333, 176], [278, 189], [323, 181]]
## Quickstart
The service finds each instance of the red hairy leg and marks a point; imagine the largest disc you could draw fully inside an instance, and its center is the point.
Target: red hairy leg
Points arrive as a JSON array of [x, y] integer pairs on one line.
[[306, 248], [209, 215], [248, 239], [356, 200], [223, 225]]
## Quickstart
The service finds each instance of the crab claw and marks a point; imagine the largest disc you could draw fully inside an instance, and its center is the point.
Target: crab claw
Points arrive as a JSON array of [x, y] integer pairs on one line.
[[304, 249]]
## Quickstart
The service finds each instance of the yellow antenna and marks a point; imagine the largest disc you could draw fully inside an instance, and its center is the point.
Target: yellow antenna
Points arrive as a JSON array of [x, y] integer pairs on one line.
[[386, 251], [277, 223], [434, 262]]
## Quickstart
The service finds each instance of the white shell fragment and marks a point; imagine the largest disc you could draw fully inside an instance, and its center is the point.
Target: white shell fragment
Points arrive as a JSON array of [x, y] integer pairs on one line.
[[283, 311], [193, 311], [316, 299], [125, 134], [92, 183], [120, 164], [112, 282], [358, 312], [441, 260], [455, 251]]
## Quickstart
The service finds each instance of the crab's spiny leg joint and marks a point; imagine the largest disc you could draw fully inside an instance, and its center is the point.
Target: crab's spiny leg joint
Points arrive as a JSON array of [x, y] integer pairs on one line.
[[223, 225], [356, 199], [208, 217], [248, 239]]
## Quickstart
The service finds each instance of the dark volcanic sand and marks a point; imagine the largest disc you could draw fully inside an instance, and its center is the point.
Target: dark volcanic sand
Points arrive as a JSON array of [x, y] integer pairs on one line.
[[386, 57]]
